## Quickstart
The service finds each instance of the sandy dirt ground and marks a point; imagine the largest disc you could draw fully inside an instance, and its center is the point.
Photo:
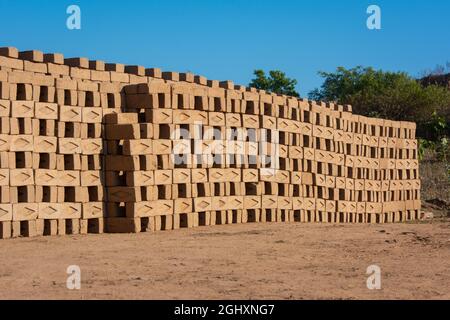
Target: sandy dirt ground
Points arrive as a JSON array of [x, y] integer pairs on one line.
[[251, 261]]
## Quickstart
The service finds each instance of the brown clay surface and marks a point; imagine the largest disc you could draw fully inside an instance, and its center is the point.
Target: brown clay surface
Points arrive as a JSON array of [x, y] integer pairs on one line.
[[251, 261]]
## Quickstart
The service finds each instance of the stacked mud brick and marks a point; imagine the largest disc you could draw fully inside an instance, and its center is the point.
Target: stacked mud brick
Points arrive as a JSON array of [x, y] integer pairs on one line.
[[51, 142], [331, 165], [92, 147]]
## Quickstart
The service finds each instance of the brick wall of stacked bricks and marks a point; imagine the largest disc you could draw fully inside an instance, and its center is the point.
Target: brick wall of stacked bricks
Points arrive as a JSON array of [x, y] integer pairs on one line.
[[91, 147]]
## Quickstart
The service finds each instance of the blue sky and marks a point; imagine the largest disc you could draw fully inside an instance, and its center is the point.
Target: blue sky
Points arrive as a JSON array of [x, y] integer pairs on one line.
[[227, 40]]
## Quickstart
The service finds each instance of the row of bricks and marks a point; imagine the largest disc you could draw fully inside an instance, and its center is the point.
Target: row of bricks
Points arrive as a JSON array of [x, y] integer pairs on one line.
[[182, 206], [186, 190], [63, 94], [34, 61], [31, 160], [209, 218], [45, 144], [50, 111], [78, 64], [153, 162], [37, 194], [50, 227], [192, 146], [32, 211], [171, 161], [305, 112], [213, 124], [152, 111], [51, 194], [178, 191], [82, 68], [317, 149], [45, 177], [179, 176], [63, 113], [49, 128], [45, 132]]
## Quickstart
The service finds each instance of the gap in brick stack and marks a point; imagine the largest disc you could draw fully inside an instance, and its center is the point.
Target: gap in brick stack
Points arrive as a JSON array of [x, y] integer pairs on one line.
[[93, 147]]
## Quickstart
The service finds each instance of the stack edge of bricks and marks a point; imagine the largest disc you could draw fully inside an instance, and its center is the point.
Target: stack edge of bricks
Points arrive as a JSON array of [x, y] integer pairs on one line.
[[93, 147]]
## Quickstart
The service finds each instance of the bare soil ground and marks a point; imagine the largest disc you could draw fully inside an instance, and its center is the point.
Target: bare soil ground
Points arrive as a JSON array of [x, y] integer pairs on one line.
[[251, 261]]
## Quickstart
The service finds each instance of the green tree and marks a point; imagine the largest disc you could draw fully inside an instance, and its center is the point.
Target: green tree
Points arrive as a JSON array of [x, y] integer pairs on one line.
[[389, 95], [276, 82]]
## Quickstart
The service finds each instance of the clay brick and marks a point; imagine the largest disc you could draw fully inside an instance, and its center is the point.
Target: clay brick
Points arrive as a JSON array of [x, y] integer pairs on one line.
[[181, 176], [201, 80], [140, 178], [91, 146], [6, 62], [153, 72], [136, 70], [32, 55], [21, 143], [100, 75], [150, 208], [5, 214], [4, 125], [91, 178], [202, 204], [45, 144], [49, 211], [69, 145], [44, 110], [269, 202], [69, 178], [4, 92], [25, 211], [233, 120], [35, 67], [119, 77], [182, 206], [54, 58], [188, 77], [5, 141], [22, 109], [45, 177], [160, 116], [173, 76], [4, 177], [199, 175], [138, 147], [189, 117], [116, 67], [21, 177], [70, 114], [77, 62], [93, 210], [91, 115], [9, 52], [97, 65], [79, 73], [71, 211], [163, 177]]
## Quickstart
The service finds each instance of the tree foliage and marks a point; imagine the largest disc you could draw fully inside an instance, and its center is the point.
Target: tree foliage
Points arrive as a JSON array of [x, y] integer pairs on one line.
[[389, 95], [276, 82]]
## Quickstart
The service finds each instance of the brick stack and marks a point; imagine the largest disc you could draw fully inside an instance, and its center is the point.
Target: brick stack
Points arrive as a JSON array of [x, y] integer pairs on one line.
[[51, 142], [92, 147], [331, 165]]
